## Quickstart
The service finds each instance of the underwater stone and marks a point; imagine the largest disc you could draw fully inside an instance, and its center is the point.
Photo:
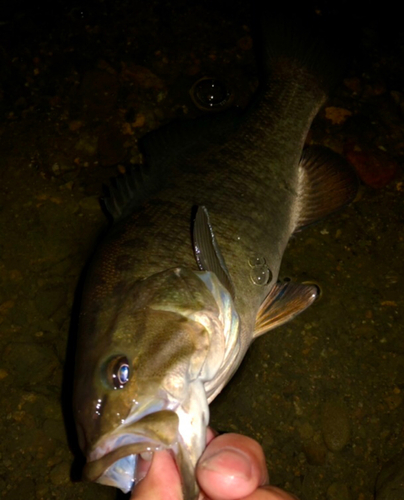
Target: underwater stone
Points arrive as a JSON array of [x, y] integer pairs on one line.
[[335, 425]]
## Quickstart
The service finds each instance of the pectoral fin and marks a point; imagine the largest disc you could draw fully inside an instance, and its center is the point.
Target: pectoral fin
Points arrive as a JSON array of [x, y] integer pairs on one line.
[[284, 302], [207, 251]]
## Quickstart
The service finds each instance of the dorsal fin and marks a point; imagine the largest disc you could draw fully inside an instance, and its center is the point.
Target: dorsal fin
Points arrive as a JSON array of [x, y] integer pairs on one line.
[[207, 251], [284, 302], [326, 183], [165, 151], [128, 191]]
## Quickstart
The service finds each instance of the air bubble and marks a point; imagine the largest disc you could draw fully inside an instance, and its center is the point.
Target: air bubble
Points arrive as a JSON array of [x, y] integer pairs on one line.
[[260, 275], [256, 261], [210, 93]]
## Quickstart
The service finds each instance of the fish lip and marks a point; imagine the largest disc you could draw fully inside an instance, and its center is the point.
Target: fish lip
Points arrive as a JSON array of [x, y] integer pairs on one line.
[[133, 438], [96, 468]]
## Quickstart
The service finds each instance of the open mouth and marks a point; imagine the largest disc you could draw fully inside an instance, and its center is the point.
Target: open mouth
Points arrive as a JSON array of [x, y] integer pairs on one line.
[[122, 467], [118, 459]]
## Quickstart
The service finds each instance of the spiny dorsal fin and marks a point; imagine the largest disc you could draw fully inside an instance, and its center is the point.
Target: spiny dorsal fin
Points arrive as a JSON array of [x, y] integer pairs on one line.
[[166, 151], [327, 183], [207, 251], [284, 302], [128, 191]]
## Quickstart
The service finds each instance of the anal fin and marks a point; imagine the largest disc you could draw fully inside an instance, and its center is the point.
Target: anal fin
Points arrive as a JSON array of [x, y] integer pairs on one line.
[[285, 301]]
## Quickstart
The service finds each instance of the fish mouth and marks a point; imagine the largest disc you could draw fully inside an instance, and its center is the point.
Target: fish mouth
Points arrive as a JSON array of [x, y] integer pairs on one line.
[[115, 460]]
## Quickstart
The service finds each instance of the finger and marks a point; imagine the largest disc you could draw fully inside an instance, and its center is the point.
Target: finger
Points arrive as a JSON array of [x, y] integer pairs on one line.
[[279, 494], [162, 481], [210, 434], [232, 467], [152, 485], [270, 493]]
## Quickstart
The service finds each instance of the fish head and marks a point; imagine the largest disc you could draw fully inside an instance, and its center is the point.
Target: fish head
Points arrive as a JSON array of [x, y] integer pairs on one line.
[[141, 365]]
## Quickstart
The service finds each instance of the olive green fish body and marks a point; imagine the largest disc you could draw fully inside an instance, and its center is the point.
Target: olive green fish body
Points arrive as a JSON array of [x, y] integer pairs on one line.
[[250, 188], [187, 276]]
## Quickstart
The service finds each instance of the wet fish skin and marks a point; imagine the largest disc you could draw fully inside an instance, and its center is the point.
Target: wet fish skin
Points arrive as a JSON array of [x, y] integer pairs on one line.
[[179, 348], [180, 330]]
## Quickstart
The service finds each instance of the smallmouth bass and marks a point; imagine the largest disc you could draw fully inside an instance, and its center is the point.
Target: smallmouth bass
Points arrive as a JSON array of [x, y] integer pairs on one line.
[[187, 276]]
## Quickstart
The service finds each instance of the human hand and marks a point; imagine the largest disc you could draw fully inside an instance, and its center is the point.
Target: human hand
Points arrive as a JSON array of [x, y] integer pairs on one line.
[[232, 467]]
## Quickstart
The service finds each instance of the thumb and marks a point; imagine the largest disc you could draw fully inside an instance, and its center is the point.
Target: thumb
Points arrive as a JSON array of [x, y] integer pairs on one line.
[[232, 466]]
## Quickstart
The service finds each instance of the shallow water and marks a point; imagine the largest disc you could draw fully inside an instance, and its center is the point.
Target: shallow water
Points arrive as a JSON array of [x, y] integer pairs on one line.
[[79, 86]]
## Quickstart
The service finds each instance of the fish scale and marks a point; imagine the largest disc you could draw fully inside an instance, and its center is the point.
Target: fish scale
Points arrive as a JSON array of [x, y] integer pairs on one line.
[[187, 276]]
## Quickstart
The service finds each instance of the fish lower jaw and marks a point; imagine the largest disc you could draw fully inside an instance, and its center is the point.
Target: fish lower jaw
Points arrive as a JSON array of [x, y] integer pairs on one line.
[[124, 466], [116, 458]]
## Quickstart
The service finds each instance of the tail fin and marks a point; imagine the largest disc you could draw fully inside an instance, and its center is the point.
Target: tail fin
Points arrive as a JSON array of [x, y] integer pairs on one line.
[[298, 34]]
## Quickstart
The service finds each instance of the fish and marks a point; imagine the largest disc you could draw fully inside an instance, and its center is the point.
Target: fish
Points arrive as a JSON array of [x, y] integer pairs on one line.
[[187, 275]]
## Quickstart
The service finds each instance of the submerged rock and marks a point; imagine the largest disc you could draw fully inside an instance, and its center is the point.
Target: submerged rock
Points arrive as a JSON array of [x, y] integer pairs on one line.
[[374, 168], [30, 362], [390, 483], [50, 299], [335, 425], [338, 491], [60, 474], [315, 453]]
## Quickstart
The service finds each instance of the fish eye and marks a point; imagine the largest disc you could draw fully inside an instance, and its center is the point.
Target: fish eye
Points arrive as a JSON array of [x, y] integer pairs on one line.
[[118, 372]]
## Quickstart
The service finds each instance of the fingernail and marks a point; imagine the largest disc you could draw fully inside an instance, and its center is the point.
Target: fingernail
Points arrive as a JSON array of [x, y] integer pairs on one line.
[[229, 462]]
